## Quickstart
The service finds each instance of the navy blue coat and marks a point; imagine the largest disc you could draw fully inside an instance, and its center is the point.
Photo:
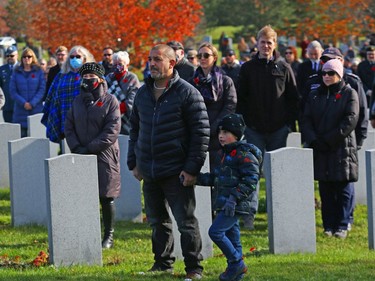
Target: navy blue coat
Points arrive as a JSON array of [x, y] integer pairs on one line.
[[27, 87]]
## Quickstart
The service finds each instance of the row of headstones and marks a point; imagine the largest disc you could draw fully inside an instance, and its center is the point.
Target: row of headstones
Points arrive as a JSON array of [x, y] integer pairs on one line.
[[69, 179]]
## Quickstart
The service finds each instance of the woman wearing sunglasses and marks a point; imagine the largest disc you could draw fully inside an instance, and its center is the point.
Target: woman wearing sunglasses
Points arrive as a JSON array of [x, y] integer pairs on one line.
[[219, 95], [330, 117], [27, 87], [291, 57], [64, 88]]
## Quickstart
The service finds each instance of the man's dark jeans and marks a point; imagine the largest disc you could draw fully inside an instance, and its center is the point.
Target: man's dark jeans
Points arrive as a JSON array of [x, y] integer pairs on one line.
[[158, 195]]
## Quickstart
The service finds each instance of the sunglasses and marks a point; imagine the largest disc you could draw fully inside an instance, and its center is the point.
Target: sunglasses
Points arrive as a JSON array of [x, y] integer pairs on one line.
[[329, 73], [107, 55], [76, 56], [10, 56], [190, 58], [27, 57], [288, 53], [204, 55]]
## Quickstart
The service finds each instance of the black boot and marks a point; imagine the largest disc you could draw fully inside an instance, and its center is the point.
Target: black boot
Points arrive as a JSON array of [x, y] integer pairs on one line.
[[108, 212]]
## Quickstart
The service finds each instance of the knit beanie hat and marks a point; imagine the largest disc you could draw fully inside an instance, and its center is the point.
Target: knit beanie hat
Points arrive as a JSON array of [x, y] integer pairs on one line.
[[92, 67], [233, 123], [335, 65]]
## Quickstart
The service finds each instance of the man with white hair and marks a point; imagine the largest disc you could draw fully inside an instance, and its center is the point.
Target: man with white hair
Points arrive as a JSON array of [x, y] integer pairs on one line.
[[124, 85], [309, 67]]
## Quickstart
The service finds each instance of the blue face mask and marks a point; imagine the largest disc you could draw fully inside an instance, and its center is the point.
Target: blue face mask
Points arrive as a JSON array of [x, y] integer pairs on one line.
[[76, 63]]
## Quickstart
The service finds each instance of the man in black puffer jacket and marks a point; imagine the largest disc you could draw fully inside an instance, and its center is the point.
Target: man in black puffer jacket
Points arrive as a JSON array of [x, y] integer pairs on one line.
[[168, 143]]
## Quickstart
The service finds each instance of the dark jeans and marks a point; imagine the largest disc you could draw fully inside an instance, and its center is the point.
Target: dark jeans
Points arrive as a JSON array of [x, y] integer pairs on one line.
[[225, 233], [158, 195], [336, 204], [265, 142]]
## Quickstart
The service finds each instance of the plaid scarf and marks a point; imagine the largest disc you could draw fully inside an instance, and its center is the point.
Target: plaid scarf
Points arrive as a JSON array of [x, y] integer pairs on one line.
[[211, 87]]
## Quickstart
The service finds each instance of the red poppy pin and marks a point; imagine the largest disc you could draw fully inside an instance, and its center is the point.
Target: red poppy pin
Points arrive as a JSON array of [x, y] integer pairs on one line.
[[373, 68], [99, 104], [196, 80], [77, 78], [233, 152], [338, 96], [33, 75], [125, 80]]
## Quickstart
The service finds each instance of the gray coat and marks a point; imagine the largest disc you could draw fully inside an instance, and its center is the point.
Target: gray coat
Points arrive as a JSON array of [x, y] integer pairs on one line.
[[95, 124]]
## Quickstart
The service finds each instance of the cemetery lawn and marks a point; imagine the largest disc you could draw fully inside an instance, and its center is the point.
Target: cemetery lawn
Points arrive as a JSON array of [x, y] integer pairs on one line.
[[131, 257]]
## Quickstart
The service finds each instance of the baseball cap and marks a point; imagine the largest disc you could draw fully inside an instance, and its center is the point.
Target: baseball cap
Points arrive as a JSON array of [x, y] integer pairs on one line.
[[10, 50], [175, 45], [332, 53], [230, 52]]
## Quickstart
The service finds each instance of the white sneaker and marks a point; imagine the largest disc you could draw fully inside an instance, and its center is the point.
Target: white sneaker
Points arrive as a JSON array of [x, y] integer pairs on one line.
[[340, 233]]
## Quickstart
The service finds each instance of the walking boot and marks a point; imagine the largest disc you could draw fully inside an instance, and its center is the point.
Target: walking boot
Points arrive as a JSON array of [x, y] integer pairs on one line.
[[108, 212]]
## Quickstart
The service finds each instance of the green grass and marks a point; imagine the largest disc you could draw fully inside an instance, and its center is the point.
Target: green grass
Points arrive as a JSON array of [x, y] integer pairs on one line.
[[335, 259]]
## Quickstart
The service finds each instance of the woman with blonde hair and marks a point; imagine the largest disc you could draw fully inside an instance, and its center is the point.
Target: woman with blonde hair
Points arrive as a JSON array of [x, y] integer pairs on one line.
[[27, 87], [219, 95], [64, 88]]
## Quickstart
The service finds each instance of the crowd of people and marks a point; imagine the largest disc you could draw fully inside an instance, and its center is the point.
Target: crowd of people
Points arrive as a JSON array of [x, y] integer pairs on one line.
[[194, 101]]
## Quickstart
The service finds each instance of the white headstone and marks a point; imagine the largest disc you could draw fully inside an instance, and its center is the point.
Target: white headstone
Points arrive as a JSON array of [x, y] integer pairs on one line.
[[370, 171], [129, 204], [290, 200], [27, 181], [73, 210], [8, 132], [37, 130], [203, 214], [360, 185], [294, 140]]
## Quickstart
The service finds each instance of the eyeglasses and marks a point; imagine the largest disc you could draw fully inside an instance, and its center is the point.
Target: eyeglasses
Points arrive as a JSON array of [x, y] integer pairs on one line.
[[329, 73], [27, 57], [10, 56], [288, 53], [205, 55], [190, 58], [107, 55], [76, 56]]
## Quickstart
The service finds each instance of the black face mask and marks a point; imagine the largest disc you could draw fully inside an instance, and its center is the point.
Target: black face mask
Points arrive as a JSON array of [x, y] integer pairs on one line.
[[89, 85]]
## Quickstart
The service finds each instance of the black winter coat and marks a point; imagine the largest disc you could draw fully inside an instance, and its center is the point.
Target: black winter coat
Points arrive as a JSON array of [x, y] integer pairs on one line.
[[330, 117], [267, 98], [96, 126], [171, 134]]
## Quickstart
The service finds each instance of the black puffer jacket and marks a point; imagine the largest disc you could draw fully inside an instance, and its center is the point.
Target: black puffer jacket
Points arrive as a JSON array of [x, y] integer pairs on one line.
[[330, 117], [169, 135]]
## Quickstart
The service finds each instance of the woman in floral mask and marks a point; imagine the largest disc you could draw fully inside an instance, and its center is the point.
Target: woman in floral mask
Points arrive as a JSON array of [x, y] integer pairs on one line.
[[124, 85], [219, 96], [92, 126], [64, 88]]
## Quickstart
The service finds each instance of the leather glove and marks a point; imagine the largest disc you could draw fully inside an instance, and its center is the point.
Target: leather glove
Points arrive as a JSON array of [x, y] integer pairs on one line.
[[81, 150], [230, 206]]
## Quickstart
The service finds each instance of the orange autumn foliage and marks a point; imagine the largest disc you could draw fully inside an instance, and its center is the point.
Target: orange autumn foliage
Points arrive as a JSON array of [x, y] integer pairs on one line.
[[334, 20], [131, 25]]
